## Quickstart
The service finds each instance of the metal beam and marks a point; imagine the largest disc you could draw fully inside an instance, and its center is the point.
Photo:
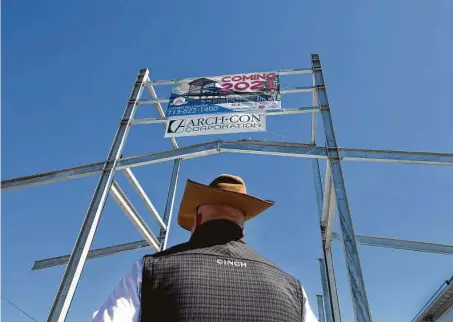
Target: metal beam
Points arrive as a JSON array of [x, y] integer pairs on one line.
[[285, 111], [321, 316], [395, 156], [159, 108], [325, 290], [332, 284], [141, 192], [260, 147], [168, 213], [282, 72], [91, 169], [330, 218], [361, 307], [193, 151], [326, 196], [293, 90], [332, 299], [68, 285], [52, 176], [95, 253], [411, 245], [126, 205], [244, 146]]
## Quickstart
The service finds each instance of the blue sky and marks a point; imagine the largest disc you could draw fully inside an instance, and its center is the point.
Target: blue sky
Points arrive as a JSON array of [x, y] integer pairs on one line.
[[68, 68]]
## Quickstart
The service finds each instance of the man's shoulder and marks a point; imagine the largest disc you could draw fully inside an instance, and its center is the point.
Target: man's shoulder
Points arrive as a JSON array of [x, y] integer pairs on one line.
[[170, 251]]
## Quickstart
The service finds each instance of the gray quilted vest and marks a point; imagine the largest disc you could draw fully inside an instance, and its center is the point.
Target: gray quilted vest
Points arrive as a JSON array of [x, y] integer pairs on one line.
[[217, 279]]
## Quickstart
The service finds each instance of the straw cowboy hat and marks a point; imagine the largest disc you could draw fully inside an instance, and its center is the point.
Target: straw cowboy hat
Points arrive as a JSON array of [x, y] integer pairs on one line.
[[227, 190]]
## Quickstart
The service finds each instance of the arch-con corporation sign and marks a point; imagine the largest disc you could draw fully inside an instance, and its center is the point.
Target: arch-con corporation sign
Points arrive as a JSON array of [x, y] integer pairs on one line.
[[222, 104], [215, 124]]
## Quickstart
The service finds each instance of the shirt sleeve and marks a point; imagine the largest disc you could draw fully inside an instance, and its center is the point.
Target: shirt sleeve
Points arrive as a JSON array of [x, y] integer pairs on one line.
[[123, 303], [308, 315]]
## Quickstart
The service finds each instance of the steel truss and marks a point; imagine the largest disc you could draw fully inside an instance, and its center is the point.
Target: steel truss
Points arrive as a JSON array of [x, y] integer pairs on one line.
[[331, 197]]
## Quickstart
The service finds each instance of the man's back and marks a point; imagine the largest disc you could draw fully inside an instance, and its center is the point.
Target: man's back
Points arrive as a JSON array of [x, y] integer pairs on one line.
[[224, 282], [215, 276]]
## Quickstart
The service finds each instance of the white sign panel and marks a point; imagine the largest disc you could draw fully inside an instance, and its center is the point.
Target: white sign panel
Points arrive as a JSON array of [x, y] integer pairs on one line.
[[215, 124]]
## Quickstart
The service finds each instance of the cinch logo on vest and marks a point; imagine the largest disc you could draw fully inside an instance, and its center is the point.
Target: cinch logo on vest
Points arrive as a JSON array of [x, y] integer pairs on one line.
[[231, 263]]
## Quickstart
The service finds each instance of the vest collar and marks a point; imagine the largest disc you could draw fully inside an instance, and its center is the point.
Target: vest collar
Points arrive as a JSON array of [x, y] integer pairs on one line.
[[216, 232]]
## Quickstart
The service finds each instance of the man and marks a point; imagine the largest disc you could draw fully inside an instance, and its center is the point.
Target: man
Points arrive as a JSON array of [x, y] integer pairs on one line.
[[215, 276]]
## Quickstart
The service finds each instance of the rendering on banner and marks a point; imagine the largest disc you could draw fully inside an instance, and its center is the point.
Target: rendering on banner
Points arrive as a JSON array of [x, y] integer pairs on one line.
[[225, 94], [215, 124]]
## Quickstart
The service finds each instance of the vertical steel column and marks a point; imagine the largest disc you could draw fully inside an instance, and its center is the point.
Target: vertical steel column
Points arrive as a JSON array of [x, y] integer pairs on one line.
[[328, 280], [331, 298], [359, 297], [321, 316], [62, 302], [332, 285], [163, 235], [325, 290]]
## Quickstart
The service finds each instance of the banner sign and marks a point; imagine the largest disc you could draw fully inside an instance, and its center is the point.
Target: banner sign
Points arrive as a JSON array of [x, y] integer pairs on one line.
[[226, 94], [215, 124]]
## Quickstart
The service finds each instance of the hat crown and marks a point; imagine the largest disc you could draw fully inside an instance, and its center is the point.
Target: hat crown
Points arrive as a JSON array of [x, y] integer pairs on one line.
[[229, 182]]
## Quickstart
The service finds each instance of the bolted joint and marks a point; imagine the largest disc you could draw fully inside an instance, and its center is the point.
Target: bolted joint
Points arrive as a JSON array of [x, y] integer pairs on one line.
[[108, 166], [324, 107], [334, 158], [320, 86]]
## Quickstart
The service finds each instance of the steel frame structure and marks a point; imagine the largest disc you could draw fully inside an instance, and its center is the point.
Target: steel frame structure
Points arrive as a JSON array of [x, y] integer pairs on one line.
[[331, 197]]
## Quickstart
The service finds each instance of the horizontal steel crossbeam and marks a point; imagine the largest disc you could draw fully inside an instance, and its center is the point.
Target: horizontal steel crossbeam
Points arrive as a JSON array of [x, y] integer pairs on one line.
[[282, 72], [244, 146], [95, 253], [285, 111], [409, 245]]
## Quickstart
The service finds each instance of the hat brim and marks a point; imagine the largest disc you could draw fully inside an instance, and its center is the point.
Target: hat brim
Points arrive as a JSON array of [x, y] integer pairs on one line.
[[197, 194]]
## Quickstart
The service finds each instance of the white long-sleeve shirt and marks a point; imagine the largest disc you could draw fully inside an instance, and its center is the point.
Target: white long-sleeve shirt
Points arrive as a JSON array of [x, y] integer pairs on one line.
[[123, 304]]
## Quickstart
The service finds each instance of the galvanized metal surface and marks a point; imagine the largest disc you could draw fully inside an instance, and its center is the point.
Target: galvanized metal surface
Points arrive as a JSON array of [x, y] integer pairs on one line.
[[320, 302], [78, 256], [159, 108], [128, 208], [325, 290], [141, 192], [393, 243], [332, 299], [288, 149], [95, 253], [361, 307], [168, 213]]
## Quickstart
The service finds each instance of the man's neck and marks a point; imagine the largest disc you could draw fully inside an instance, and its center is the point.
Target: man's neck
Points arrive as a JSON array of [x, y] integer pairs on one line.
[[216, 232]]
